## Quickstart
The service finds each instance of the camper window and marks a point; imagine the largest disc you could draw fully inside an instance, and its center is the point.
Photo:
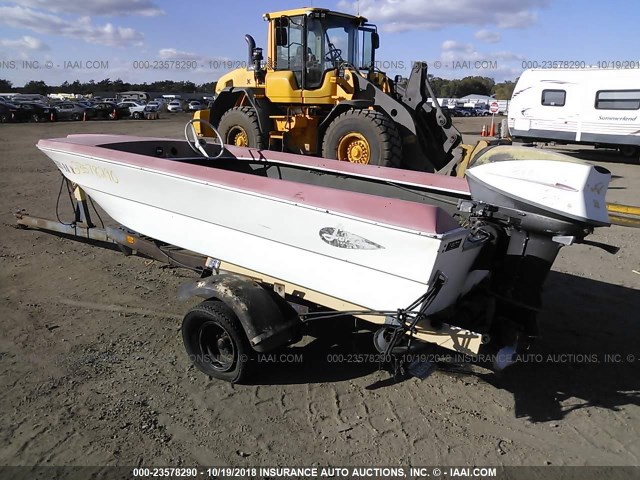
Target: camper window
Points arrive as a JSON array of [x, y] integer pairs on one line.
[[553, 98], [618, 100]]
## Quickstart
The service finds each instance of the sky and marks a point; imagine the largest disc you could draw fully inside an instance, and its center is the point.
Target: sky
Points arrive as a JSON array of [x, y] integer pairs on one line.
[[198, 40]]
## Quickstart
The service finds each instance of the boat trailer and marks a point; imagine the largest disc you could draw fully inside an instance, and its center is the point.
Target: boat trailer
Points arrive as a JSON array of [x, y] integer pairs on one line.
[[271, 311]]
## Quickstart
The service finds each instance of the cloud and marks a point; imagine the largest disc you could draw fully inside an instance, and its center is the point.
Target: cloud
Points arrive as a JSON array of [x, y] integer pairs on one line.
[[507, 56], [488, 36], [404, 15], [457, 46], [146, 8], [519, 19], [454, 50], [24, 43], [81, 28], [173, 54]]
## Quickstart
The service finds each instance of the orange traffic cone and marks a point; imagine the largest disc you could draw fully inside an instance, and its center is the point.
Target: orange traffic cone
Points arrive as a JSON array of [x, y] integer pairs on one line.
[[492, 132], [84, 116], [484, 131], [52, 118], [115, 114]]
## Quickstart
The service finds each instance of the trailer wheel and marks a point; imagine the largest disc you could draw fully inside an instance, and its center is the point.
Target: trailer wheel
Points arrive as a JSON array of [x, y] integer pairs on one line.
[[629, 151], [239, 126], [363, 136], [216, 342]]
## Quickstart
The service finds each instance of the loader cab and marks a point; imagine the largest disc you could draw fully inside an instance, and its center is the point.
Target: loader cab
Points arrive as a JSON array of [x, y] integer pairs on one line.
[[311, 43]]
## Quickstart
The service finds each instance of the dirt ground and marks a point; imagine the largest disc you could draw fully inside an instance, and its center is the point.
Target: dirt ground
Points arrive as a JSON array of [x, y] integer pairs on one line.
[[93, 372]]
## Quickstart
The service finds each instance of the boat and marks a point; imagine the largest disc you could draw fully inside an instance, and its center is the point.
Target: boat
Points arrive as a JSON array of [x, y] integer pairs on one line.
[[422, 254]]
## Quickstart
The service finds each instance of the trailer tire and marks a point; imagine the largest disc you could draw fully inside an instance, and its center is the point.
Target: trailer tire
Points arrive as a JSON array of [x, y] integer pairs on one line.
[[215, 341], [363, 136], [629, 151], [239, 126]]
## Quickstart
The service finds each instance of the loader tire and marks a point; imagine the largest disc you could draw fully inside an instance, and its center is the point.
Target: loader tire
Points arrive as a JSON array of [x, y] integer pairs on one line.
[[239, 126], [216, 342], [363, 136]]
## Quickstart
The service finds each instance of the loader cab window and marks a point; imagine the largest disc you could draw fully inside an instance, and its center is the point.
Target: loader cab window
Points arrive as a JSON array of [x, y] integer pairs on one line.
[[290, 45], [310, 45], [334, 41], [315, 49], [366, 47]]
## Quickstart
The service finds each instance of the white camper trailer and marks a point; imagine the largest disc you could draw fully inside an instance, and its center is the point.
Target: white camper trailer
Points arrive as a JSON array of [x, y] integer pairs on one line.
[[590, 106]]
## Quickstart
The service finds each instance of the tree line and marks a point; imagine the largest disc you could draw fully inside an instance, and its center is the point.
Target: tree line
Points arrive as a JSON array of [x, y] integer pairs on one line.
[[457, 88], [106, 85], [443, 88]]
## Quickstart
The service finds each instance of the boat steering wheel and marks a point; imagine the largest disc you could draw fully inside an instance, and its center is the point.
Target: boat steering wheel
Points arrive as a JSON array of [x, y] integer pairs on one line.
[[198, 144]]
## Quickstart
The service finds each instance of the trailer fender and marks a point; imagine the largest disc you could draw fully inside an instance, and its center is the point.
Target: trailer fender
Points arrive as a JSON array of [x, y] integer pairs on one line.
[[267, 319]]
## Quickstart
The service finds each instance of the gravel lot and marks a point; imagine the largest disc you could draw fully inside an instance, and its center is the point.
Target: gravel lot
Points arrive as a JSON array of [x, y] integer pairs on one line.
[[93, 371]]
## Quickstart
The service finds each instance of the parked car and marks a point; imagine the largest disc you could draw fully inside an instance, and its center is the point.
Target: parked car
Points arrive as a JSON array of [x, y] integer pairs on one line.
[[195, 105], [7, 112], [86, 103], [175, 106], [460, 112], [33, 112], [105, 110], [136, 109], [482, 111], [470, 110], [155, 104], [72, 111]]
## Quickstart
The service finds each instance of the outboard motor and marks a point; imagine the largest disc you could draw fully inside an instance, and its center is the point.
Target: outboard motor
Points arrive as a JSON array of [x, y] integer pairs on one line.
[[531, 203]]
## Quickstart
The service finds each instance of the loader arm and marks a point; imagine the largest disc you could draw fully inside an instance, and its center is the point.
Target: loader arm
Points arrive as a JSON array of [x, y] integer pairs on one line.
[[437, 135], [428, 136]]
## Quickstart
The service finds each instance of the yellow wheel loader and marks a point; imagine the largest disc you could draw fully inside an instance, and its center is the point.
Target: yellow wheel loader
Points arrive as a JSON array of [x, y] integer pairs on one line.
[[319, 93]]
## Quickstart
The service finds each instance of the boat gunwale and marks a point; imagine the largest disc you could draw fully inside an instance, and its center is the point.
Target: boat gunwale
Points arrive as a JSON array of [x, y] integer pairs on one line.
[[417, 217]]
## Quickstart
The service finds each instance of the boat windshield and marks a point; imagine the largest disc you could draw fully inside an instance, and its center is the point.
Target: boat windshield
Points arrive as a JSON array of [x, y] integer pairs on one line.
[[513, 153]]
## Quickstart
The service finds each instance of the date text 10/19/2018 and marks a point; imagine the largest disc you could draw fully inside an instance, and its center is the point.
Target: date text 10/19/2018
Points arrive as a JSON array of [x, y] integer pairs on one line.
[[581, 64], [316, 472]]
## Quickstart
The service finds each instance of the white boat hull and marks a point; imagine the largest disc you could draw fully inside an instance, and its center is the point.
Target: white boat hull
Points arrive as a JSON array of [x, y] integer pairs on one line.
[[385, 267]]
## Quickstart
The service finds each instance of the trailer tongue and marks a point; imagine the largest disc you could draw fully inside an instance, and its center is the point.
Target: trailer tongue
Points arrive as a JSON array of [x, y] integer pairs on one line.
[[282, 240]]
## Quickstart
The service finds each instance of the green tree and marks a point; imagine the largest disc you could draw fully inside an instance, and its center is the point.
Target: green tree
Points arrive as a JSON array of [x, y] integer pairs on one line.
[[36, 86], [504, 90], [5, 85], [208, 87], [475, 85]]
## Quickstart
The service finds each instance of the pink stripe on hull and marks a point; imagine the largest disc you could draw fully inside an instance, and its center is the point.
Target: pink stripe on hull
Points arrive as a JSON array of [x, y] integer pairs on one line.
[[401, 213]]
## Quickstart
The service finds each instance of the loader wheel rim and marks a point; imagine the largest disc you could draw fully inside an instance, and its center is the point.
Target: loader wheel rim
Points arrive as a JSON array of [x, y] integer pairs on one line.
[[238, 136], [354, 148], [217, 347]]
